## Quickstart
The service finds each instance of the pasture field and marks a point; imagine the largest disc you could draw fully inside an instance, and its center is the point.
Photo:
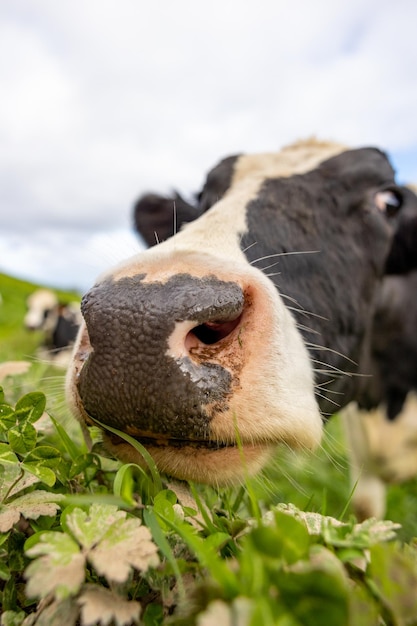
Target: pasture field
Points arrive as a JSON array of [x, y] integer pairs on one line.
[[85, 537]]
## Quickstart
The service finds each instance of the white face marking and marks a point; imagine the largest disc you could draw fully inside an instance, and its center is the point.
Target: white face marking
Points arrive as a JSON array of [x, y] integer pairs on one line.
[[40, 302]]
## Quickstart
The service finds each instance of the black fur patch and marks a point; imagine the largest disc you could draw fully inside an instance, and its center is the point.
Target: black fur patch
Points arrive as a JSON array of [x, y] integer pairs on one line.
[[329, 213]]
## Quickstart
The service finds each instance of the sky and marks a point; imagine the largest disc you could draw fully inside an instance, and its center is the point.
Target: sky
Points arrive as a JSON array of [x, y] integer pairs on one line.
[[103, 100]]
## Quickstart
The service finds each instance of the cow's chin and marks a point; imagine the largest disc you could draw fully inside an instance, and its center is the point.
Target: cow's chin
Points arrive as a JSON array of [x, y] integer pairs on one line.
[[199, 462]]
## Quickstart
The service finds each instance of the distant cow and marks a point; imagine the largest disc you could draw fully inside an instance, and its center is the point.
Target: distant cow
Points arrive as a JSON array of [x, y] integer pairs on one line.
[[253, 321], [59, 322]]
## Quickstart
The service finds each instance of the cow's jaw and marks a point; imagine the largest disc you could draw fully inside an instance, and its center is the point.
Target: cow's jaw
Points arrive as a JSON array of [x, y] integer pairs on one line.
[[214, 390]]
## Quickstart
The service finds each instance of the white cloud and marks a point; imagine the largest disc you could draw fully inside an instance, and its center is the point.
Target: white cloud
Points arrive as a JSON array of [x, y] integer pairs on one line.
[[70, 260], [104, 100]]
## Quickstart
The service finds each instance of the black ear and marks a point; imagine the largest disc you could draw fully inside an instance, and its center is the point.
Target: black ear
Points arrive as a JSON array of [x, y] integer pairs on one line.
[[402, 257], [217, 183], [157, 218]]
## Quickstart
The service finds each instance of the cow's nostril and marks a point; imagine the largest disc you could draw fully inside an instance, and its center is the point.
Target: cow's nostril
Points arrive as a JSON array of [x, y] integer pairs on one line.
[[210, 333]]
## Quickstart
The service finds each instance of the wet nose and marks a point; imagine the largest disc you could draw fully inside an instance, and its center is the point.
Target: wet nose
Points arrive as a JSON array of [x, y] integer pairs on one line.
[[157, 365]]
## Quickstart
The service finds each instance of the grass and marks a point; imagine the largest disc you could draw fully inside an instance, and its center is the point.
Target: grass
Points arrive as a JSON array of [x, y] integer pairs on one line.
[[103, 543]]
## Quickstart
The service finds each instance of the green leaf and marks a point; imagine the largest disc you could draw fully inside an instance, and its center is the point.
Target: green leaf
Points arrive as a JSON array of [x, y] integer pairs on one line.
[[4, 571], [217, 540], [12, 618], [30, 505], [393, 572], [30, 407], [102, 606], [126, 545], [47, 456], [14, 479], [52, 614], [113, 543], [153, 615], [315, 591], [81, 463], [165, 507], [59, 568], [287, 539], [7, 456], [44, 474], [363, 609], [7, 417], [16, 559], [89, 527], [41, 462], [9, 595], [22, 437]]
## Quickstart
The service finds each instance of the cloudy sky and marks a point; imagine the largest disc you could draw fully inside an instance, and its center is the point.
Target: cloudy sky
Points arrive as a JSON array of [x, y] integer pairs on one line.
[[102, 100]]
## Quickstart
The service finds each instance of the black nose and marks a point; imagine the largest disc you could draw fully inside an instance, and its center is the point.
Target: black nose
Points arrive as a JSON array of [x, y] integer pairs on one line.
[[134, 378]]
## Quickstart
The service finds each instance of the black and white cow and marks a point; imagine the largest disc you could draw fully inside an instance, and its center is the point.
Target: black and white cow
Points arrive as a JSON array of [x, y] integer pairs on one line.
[[253, 321], [59, 322], [381, 428]]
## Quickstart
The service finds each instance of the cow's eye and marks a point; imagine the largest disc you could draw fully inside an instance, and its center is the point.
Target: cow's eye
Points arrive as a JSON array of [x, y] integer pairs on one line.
[[388, 201]]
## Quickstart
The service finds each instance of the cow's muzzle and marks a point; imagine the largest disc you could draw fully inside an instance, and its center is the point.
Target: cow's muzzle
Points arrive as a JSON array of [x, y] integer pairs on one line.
[[163, 357]]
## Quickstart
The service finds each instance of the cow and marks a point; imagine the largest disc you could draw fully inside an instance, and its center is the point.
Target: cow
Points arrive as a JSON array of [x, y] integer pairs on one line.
[[250, 325], [58, 321], [381, 427]]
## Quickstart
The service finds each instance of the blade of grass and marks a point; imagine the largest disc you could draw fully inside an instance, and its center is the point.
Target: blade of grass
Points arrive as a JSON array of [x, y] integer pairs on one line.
[[123, 482], [139, 447], [162, 543], [70, 446], [256, 512]]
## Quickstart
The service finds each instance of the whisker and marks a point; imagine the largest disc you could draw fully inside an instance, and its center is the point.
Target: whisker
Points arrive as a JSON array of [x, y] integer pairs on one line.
[[326, 382], [332, 367], [333, 443], [307, 329], [307, 313], [268, 267], [323, 388], [321, 395], [324, 348], [319, 370], [341, 373], [156, 237], [281, 254], [249, 246]]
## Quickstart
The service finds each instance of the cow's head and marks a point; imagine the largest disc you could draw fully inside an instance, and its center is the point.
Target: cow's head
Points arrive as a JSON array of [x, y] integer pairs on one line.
[[42, 310], [229, 337]]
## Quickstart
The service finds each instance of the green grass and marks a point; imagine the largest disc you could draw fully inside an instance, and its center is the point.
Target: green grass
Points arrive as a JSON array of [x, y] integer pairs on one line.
[[246, 559]]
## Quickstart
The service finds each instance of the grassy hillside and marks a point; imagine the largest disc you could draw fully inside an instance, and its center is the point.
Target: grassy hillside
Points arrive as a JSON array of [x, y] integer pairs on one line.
[[15, 341]]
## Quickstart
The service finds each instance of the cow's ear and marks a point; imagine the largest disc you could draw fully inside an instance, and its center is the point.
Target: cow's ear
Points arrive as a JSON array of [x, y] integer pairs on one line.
[[402, 257], [217, 183], [157, 218]]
